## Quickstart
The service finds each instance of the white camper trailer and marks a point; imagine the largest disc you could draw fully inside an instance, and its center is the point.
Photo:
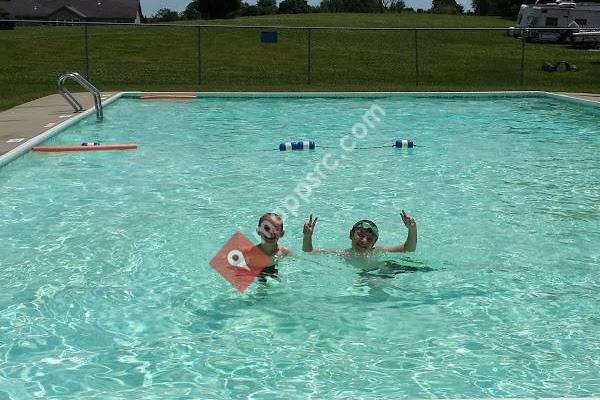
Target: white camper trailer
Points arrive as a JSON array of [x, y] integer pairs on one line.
[[557, 16], [586, 38]]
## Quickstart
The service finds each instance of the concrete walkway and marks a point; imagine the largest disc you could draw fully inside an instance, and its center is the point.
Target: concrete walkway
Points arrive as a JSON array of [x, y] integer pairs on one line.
[[28, 120], [585, 96]]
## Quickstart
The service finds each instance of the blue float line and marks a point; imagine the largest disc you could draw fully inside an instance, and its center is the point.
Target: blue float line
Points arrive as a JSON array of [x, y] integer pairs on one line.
[[337, 147]]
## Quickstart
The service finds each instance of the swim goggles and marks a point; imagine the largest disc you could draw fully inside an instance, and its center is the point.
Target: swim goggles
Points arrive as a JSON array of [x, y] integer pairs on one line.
[[367, 225]]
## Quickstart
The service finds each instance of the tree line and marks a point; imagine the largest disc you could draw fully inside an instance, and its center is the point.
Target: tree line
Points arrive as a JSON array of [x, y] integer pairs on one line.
[[5, 25], [502, 8], [218, 9]]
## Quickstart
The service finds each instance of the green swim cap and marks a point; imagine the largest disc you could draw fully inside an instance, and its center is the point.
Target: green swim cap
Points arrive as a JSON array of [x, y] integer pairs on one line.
[[367, 225]]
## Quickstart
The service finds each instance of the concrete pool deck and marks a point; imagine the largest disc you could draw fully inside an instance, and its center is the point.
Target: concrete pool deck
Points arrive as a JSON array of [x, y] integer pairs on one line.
[[26, 121]]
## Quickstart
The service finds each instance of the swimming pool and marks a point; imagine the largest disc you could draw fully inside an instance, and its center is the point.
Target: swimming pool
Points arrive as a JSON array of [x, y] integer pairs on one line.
[[106, 289]]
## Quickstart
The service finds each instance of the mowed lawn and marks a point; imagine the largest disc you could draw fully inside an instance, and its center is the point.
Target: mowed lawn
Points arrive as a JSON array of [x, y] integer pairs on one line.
[[154, 57]]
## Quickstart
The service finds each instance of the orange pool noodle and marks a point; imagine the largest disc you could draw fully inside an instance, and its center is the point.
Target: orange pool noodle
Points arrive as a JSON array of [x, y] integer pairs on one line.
[[167, 96], [55, 149]]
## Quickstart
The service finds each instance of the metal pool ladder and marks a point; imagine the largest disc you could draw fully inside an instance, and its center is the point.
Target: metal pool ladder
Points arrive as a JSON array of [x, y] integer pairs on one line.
[[87, 86]]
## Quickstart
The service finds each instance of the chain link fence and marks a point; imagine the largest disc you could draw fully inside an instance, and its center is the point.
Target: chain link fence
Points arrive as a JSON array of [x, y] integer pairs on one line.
[[211, 57]]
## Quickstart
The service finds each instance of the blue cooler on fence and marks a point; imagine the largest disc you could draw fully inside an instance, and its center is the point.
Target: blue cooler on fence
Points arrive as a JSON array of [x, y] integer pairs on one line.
[[268, 36]]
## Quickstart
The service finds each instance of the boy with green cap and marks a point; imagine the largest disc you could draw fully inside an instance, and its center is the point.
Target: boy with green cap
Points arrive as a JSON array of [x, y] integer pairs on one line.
[[363, 235]]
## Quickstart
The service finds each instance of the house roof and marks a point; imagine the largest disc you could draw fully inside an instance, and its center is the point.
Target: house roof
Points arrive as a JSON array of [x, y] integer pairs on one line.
[[71, 9], [103, 9]]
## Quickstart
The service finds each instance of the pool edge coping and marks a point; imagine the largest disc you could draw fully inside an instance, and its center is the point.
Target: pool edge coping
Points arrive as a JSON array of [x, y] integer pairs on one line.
[[26, 146], [34, 141]]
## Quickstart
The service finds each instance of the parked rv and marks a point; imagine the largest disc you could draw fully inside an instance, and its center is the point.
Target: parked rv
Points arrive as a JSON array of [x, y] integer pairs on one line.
[[561, 18], [586, 38]]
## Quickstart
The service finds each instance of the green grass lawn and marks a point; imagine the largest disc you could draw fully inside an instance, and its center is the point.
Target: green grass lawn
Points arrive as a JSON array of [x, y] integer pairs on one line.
[[166, 58]]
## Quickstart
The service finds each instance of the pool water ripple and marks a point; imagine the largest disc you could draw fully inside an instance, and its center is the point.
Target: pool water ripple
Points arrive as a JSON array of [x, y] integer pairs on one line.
[[106, 291]]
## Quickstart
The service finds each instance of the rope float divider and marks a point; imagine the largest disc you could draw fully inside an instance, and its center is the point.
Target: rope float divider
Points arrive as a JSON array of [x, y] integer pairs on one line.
[[311, 145], [408, 143], [300, 145]]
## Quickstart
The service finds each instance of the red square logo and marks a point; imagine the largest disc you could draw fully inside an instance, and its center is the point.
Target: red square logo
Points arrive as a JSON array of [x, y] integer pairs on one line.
[[239, 261]]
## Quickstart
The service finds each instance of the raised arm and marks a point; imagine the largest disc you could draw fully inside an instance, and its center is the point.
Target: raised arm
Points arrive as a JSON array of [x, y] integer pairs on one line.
[[309, 227], [411, 240]]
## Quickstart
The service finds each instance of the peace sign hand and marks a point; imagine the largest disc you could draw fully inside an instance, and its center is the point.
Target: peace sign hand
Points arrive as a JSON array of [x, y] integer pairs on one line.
[[309, 226], [408, 220]]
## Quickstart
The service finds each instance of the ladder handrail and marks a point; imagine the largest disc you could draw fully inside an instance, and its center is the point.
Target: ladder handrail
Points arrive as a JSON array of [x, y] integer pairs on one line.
[[64, 92], [67, 95]]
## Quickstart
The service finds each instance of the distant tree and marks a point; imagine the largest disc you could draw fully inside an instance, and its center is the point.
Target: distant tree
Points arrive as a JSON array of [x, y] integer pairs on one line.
[[316, 8], [395, 5], [262, 7], [332, 5], [267, 7], [251, 11], [504, 8], [166, 15], [508, 8], [294, 7], [481, 7], [218, 8], [3, 24], [446, 7], [352, 5], [191, 12]]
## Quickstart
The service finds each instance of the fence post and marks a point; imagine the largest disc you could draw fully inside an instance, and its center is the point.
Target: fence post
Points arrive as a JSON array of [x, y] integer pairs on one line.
[[309, 56], [522, 59], [87, 54], [417, 57], [199, 55]]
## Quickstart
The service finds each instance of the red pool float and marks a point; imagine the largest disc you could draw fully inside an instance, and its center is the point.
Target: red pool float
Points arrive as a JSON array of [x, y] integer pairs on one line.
[[86, 147]]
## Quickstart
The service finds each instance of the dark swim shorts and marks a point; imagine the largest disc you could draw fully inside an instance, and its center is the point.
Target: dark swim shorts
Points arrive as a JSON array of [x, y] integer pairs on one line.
[[392, 268], [270, 271]]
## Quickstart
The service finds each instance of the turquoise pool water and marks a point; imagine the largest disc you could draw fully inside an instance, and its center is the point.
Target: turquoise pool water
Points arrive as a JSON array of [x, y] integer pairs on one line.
[[106, 291]]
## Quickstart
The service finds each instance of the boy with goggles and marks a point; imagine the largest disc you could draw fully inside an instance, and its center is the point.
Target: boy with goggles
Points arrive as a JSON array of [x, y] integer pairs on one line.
[[270, 229], [364, 234]]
